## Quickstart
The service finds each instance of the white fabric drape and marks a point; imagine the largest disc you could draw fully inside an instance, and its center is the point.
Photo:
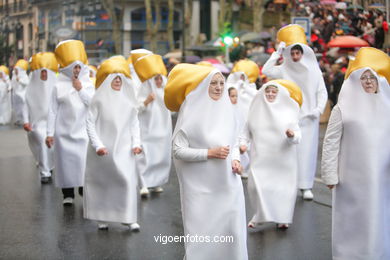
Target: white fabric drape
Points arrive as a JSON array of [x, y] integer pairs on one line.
[[5, 100], [18, 84]]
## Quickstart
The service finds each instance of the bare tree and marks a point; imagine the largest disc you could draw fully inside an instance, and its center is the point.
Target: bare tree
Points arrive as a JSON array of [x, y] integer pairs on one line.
[[258, 11], [171, 7], [115, 11], [152, 28], [187, 20]]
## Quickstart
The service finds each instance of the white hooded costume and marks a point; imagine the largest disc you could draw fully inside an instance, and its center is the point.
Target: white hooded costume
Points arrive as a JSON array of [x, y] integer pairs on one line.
[[5, 97], [272, 183], [356, 158], [154, 163], [67, 115], [212, 198], [307, 75], [110, 191], [19, 84], [38, 95]]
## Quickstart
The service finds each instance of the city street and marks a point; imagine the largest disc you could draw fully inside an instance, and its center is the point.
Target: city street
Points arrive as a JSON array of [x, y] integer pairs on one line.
[[35, 225]]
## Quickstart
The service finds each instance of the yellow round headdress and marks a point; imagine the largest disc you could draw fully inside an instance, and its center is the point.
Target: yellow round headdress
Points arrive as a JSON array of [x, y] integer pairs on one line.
[[116, 64], [70, 51], [292, 34], [373, 58], [129, 60], [149, 66], [23, 64], [293, 89], [250, 69], [182, 79], [44, 60], [138, 53], [4, 69], [204, 63]]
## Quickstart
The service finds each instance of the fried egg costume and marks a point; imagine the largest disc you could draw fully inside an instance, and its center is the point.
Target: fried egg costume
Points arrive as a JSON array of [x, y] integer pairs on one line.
[[132, 59], [19, 84], [110, 191], [155, 120], [38, 95], [307, 75], [356, 158], [5, 96], [272, 182], [68, 113], [212, 198]]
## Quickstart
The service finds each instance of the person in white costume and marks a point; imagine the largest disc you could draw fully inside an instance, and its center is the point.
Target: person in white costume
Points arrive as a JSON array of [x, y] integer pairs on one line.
[[110, 189], [92, 73], [300, 66], [273, 131], [132, 59], [44, 67], [356, 160], [154, 164], [19, 83], [5, 96], [66, 126], [211, 192]]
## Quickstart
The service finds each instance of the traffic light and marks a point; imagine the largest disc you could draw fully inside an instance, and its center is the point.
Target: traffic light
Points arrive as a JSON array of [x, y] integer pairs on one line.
[[227, 40]]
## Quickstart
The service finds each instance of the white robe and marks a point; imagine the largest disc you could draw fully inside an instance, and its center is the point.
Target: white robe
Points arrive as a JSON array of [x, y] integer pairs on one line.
[[307, 75], [356, 157], [156, 133], [5, 100], [110, 190], [67, 123], [272, 183], [212, 198], [19, 92], [36, 108]]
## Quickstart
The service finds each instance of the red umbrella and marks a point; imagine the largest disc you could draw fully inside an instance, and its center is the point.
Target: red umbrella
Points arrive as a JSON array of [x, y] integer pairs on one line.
[[348, 41], [212, 60]]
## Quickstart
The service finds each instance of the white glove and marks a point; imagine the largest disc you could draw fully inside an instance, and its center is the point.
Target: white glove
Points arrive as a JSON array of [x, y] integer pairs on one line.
[[281, 47]]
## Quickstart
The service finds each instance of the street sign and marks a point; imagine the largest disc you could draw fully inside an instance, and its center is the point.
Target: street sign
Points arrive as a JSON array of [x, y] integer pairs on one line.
[[64, 32], [305, 23]]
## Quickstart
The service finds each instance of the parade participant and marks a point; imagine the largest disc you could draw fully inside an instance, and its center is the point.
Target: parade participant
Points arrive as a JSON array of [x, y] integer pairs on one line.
[[18, 84], [300, 66], [110, 191], [356, 160], [44, 67], [92, 73], [211, 192], [68, 111], [5, 96], [272, 182], [132, 59], [155, 122]]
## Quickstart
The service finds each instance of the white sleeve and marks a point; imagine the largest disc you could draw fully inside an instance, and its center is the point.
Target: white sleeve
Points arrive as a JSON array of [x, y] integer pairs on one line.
[[244, 137], [86, 94], [296, 139], [141, 107], [91, 130], [51, 117], [270, 69], [135, 133], [322, 96], [236, 151], [24, 81], [182, 151], [331, 148], [25, 113]]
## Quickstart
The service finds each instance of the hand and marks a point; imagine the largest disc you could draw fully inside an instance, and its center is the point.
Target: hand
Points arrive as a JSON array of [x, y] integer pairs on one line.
[[290, 133], [281, 47], [330, 186], [149, 99], [76, 83], [218, 153], [102, 151], [137, 150], [243, 149], [49, 141], [27, 127], [236, 167]]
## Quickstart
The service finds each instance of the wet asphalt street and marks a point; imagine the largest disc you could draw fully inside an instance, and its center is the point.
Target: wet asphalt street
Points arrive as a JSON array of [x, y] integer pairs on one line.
[[35, 225]]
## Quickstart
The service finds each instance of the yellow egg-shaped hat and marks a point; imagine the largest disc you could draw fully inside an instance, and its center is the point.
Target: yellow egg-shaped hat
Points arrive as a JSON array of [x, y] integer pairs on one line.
[[116, 64], [129, 60], [4, 69], [293, 89], [373, 58], [149, 66], [138, 53], [23, 64], [182, 79], [205, 63], [250, 69], [292, 34], [70, 51], [45, 60]]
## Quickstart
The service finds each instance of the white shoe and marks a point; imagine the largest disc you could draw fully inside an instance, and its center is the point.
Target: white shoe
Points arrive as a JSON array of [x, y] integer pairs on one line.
[[67, 201], [102, 226], [134, 227], [307, 194], [158, 189], [144, 192]]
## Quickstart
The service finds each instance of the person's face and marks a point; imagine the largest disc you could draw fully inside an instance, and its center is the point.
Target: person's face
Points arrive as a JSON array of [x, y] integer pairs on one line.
[[242, 77], [158, 80], [270, 93], [216, 86], [91, 74], [116, 83], [296, 55], [76, 71], [44, 75], [369, 82], [16, 71], [233, 96]]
